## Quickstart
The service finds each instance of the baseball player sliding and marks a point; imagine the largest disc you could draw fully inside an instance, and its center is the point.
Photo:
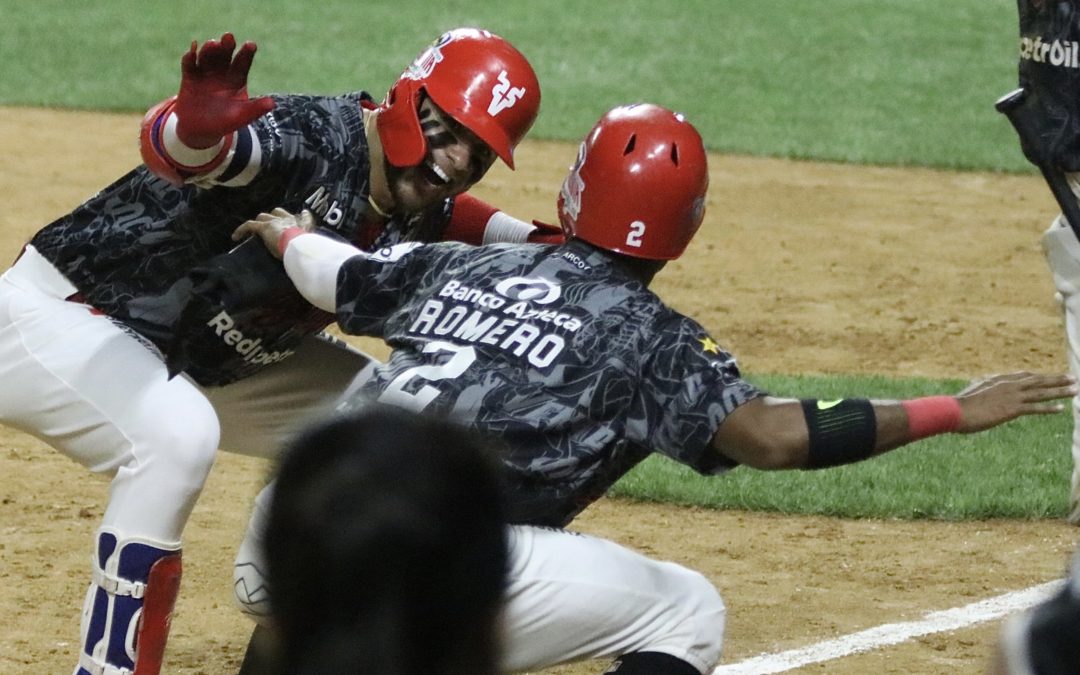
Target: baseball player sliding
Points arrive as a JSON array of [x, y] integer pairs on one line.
[[564, 358], [136, 340]]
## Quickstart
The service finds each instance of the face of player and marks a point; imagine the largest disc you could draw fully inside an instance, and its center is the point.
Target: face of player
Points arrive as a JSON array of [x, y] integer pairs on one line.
[[456, 159]]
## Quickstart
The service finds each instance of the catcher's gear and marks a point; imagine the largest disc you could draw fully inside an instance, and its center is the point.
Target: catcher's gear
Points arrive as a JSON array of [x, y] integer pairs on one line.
[[129, 606], [213, 99], [477, 78], [1045, 110], [638, 187]]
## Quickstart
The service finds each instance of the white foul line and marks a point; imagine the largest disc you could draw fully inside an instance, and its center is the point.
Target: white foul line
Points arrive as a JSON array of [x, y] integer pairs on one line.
[[894, 633]]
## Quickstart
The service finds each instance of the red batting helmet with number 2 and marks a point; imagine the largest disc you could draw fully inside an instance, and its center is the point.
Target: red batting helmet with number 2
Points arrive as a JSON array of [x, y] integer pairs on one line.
[[478, 79], [638, 187]]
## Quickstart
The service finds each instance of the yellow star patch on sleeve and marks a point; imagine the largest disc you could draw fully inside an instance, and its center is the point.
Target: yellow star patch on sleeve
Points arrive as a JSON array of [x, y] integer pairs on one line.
[[708, 345]]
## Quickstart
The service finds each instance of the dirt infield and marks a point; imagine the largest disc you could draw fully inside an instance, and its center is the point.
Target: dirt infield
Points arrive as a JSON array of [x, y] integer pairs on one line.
[[799, 268]]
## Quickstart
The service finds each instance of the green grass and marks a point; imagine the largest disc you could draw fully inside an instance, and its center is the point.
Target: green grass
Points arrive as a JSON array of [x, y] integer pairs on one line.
[[901, 82], [868, 81], [1018, 470]]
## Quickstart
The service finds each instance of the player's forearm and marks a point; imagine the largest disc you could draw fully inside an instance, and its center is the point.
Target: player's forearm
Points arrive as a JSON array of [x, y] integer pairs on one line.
[[170, 158], [312, 262], [772, 433], [196, 135], [474, 221]]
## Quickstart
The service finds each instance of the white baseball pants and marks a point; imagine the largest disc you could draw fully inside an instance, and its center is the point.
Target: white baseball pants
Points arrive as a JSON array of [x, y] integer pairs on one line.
[[99, 394], [570, 597], [1062, 250]]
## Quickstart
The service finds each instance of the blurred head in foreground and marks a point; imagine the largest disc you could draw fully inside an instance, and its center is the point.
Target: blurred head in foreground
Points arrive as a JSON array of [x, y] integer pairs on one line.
[[386, 549]]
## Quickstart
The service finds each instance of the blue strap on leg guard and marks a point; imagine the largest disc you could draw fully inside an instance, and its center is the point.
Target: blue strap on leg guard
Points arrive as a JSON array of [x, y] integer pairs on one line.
[[114, 604]]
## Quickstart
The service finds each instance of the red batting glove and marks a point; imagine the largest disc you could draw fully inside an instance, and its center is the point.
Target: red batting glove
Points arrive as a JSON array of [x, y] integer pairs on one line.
[[213, 99]]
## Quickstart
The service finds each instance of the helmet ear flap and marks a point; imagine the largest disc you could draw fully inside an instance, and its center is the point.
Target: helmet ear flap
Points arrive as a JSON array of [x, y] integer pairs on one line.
[[478, 79], [398, 125]]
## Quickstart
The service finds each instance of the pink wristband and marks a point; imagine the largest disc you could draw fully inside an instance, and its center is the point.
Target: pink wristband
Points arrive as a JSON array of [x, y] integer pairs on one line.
[[932, 415], [287, 236]]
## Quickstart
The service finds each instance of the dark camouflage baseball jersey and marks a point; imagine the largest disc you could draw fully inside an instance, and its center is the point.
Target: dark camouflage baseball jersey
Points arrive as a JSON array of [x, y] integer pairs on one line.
[[137, 249], [575, 369]]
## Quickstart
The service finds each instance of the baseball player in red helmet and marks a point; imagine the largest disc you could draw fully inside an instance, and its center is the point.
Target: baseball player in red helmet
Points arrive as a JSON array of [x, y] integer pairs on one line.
[[577, 371], [137, 341]]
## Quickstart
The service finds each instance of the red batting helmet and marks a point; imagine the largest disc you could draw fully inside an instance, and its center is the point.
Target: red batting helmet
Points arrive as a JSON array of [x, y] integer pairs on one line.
[[477, 78], [638, 187]]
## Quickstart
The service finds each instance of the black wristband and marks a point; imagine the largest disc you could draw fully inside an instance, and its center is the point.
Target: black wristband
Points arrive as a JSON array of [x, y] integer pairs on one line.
[[841, 432]]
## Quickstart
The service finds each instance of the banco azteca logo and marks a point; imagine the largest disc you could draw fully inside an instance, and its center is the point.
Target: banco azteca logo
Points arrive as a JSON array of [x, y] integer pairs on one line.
[[531, 289]]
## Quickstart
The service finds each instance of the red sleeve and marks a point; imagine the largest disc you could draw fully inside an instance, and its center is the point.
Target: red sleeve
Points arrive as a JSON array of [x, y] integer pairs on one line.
[[468, 220], [476, 222], [546, 233]]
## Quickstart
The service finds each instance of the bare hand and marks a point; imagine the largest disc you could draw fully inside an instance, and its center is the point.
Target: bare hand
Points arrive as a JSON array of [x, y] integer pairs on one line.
[[270, 227], [999, 398]]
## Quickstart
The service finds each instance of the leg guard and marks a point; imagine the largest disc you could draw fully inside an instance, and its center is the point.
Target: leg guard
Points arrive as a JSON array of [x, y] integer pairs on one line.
[[128, 608]]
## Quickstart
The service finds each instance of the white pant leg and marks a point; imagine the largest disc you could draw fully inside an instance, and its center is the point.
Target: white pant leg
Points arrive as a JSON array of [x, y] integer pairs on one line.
[[1062, 250], [89, 388], [249, 569], [259, 413], [570, 597], [574, 597]]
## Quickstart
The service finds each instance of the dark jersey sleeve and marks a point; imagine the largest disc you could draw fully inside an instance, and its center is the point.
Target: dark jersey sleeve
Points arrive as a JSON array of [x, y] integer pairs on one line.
[[688, 387], [371, 286]]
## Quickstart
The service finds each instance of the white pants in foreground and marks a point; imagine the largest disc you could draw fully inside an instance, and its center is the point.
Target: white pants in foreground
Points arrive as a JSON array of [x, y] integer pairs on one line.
[[571, 597], [98, 393], [1062, 250]]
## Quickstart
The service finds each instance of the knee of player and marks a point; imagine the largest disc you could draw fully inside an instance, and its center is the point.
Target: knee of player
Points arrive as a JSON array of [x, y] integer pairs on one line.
[[710, 613], [698, 615], [184, 446], [250, 592]]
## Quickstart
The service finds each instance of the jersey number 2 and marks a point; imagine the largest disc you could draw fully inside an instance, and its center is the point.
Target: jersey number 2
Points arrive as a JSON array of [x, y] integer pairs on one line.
[[633, 237], [395, 394]]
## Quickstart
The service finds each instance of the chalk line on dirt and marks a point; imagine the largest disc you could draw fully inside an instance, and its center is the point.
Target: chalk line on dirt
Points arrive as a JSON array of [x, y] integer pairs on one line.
[[894, 633]]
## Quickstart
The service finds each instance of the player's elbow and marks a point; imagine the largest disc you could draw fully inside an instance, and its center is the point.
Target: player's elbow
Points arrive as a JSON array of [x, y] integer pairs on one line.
[[764, 434], [779, 452], [770, 452]]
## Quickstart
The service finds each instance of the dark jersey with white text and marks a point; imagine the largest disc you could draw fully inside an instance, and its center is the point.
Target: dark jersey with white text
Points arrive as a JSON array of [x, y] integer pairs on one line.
[[156, 256], [576, 370]]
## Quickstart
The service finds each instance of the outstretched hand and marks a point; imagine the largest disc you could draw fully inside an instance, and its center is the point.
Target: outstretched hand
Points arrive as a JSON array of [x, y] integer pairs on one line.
[[213, 99], [997, 399], [270, 227]]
